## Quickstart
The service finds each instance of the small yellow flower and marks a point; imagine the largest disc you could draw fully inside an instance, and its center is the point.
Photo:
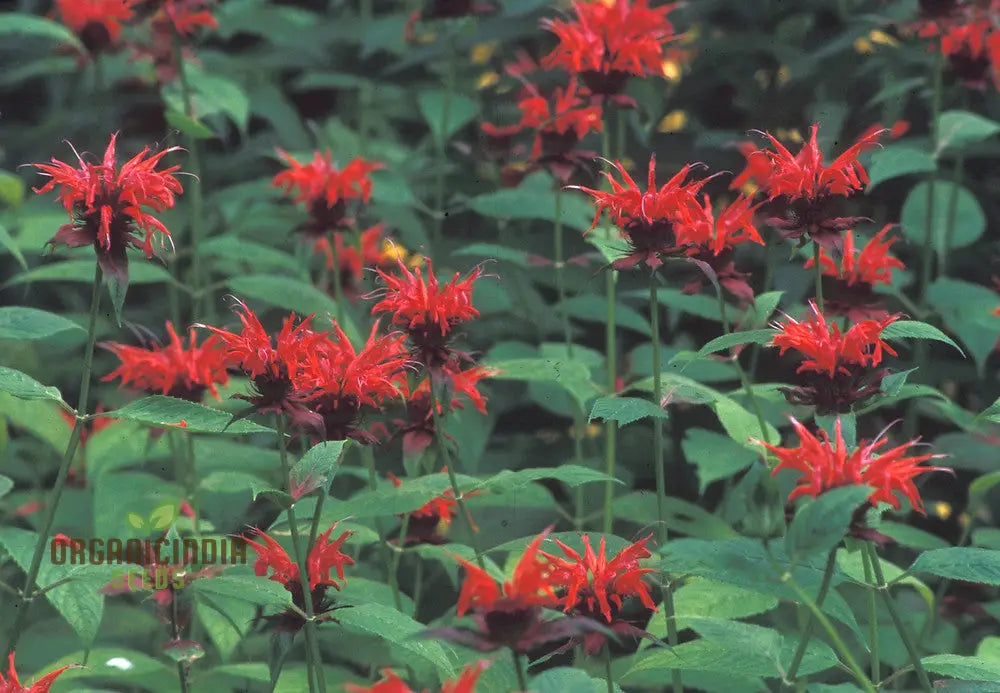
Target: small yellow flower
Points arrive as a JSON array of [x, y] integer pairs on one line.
[[784, 74], [482, 52], [672, 71], [942, 510], [789, 135], [863, 46], [592, 431], [882, 39], [416, 260], [674, 121], [487, 80], [390, 252]]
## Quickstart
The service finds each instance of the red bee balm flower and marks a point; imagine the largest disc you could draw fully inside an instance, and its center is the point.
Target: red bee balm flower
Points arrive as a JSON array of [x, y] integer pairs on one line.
[[390, 683], [106, 204], [429, 310], [427, 523], [608, 41], [187, 15], [839, 368], [826, 464], [173, 370], [96, 22], [11, 684], [649, 220], [807, 186], [596, 586], [851, 292], [510, 615], [324, 557], [326, 189]]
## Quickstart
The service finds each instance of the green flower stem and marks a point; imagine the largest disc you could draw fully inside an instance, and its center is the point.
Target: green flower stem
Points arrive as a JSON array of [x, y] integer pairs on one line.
[[560, 263], [610, 427], [418, 586], [338, 293], [579, 424], [441, 164], [661, 482], [769, 262], [952, 214], [609, 676], [368, 456], [872, 617], [445, 455], [314, 659], [23, 603], [197, 278], [183, 668], [818, 269], [522, 678], [807, 630], [317, 513], [831, 632], [904, 633]]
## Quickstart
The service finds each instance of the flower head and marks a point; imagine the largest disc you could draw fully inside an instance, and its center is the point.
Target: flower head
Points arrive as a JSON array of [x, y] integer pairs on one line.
[[608, 41], [429, 523], [96, 22], [106, 203], [187, 15], [173, 370], [326, 189], [390, 683], [11, 684], [826, 464]]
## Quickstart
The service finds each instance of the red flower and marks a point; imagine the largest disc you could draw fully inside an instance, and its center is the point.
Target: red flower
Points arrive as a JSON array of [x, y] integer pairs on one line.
[[325, 556], [839, 369], [325, 188], [851, 292], [11, 684], [428, 523], [390, 683], [530, 585], [96, 22], [173, 370], [969, 38], [187, 15], [654, 221], [826, 464], [106, 204], [608, 41], [806, 185], [429, 310]]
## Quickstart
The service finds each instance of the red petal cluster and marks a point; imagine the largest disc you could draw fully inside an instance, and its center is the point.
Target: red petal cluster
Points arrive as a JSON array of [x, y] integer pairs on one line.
[[803, 176], [606, 41], [826, 464], [321, 180], [871, 265], [96, 22], [106, 202], [969, 39], [593, 583], [390, 683], [425, 305], [826, 349], [532, 583], [187, 15], [11, 684], [324, 557], [174, 369]]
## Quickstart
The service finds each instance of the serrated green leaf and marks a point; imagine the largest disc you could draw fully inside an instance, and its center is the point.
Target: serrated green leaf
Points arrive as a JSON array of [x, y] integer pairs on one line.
[[187, 125], [574, 376], [625, 410], [715, 456], [19, 323], [534, 198], [821, 524], [913, 329], [960, 563], [897, 160], [160, 410], [23, 386], [247, 588], [317, 467], [728, 341], [966, 668]]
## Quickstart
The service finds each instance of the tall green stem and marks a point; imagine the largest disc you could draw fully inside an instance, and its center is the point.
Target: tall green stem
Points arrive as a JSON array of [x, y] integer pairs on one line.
[[522, 678], [807, 631], [197, 280], [904, 632], [609, 675], [368, 456], [660, 474], [24, 601], [560, 263], [442, 142], [952, 213], [338, 293], [183, 668], [818, 269], [872, 617], [610, 427], [317, 681]]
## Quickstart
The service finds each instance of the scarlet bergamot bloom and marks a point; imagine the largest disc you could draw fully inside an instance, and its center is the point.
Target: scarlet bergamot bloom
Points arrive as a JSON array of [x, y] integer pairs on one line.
[[826, 464], [96, 22], [390, 683], [11, 684], [106, 204]]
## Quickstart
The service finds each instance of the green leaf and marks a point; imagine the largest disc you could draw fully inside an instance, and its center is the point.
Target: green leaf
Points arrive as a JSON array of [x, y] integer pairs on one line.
[[591, 308], [897, 160], [117, 290], [958, 129], [246, 588], [317, 467], [397, 629], [705, 598], [568, 680], [11, 189], [848, 427], [213, 94], [291, 294], [238, 251], [991, 413], [913, 329], [83, 271], [187, 125], [574, 376], [960, 563], [569, 474], [715, 456], [160, 410], [79, 600], [17, 23], [515, 256], [967, 312], [23, 386], [22, 324], [5, 485], [762, 308], [10, 245], [966, 668], [821, 524], [116, 664], [535, 198], [969, 220], [680, 515], [625, 410], [460, 111], [728, 341], [234, 482]]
